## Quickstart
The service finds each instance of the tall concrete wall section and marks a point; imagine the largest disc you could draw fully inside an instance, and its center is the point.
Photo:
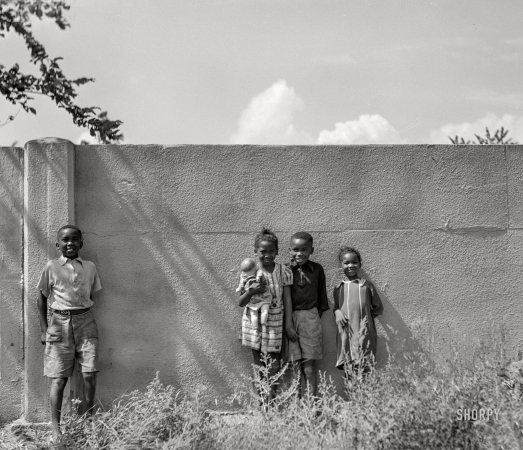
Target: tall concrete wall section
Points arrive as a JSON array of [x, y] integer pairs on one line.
[[439, 229], [49, 204], [512, 291], [11, 312]]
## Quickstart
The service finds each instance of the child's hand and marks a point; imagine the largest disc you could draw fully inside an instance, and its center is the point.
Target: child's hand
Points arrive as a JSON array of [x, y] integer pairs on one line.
[[257, 287], [291, 333], [43, 337], [341, 320]]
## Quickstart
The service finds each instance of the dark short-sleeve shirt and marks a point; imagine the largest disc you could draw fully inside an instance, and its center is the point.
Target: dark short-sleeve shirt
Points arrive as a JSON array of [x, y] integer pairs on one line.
[[310, 289]]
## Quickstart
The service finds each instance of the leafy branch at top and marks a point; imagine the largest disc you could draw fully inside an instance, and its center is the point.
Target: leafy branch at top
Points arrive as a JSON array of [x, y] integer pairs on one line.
[[17, 87], [497, 138]]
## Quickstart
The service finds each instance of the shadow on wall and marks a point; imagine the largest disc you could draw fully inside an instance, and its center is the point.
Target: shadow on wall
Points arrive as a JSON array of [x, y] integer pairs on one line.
[[396, 342], [11, 294], [399, 346], [168, 301], [175, 307]]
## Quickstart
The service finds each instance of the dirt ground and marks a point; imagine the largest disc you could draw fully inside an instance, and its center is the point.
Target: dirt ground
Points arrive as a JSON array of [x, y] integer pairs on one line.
[[24, 435]]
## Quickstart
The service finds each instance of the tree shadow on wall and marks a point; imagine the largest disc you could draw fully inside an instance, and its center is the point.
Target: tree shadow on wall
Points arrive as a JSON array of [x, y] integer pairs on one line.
[[187, 292], [179, 305], [11, 289]]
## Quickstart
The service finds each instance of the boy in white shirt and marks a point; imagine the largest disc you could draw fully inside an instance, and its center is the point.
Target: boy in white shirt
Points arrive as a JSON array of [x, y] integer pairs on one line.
[[67, 284]]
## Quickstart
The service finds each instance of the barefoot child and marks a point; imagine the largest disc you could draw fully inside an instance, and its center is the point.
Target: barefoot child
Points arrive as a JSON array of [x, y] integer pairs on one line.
[[309, 300], [259, 304], [267, 339], [356, 304], [67, 284]]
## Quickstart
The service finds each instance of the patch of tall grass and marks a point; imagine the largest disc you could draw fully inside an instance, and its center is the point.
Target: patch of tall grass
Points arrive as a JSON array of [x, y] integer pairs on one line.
[[417, 406]]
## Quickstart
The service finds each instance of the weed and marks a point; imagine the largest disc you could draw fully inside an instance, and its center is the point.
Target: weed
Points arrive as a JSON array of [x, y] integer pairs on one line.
[[419, 405]]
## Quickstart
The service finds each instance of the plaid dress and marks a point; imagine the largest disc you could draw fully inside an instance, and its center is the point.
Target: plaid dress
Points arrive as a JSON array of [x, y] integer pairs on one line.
[[268, 338]]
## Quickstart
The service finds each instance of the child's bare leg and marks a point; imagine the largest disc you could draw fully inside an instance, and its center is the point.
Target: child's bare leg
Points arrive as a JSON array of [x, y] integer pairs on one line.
[[308, 369], [56, 397], [273, 369], [89, 379], [256, 356], [264, 313]]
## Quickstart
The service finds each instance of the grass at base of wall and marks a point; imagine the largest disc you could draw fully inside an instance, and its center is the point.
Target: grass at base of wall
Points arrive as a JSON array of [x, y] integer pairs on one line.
[[421, 405]]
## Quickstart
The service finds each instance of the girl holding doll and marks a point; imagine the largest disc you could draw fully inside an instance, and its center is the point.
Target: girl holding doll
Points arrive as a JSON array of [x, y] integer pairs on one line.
[[277, 279]]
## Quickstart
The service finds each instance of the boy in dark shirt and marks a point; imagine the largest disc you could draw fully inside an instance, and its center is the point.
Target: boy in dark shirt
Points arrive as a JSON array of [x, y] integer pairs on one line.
[[309, 300]]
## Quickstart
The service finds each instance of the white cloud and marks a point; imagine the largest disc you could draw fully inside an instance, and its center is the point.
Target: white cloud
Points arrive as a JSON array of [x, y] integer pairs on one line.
[[368, 129], [91, 140], [466, 130], [85, 136], [268, 119]]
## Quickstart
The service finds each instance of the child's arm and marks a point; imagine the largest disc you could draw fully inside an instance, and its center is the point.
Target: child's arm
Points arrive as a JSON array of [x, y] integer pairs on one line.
[[255, 288], [42, 315], [323, 301], [341, 320], [289, 324]]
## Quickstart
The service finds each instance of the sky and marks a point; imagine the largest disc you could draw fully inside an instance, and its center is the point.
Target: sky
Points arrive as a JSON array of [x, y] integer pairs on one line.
[[283, 71]]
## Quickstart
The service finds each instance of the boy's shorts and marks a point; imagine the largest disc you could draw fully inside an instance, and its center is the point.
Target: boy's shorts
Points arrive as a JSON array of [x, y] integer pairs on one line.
[[70, 337], [307, 324]]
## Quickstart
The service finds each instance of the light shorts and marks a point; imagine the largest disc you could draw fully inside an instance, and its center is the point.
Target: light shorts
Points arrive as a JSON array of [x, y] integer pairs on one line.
[[307, 324], [69, 338]]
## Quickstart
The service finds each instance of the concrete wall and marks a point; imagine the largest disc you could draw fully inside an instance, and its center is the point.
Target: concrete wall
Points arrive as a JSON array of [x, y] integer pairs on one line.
[[439, 228], [11, 325]]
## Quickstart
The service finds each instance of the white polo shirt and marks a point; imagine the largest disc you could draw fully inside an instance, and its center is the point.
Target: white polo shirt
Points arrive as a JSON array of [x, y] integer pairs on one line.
[[69, 283]]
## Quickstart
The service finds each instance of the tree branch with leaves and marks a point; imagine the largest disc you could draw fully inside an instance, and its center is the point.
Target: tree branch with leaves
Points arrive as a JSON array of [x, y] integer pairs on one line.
[[18, 87], [499, 137]]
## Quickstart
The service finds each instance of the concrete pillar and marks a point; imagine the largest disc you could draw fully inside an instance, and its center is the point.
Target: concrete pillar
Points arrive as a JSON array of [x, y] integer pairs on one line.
[[48, 205]]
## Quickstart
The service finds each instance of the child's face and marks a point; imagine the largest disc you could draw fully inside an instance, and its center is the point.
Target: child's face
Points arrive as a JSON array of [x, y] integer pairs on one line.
[[301, 250], [69, 242], [266, 252], [350, 264]]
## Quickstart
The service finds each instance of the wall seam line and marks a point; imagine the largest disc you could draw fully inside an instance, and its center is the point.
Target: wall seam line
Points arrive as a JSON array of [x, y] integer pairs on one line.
[[25, 275], [507, 170]]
